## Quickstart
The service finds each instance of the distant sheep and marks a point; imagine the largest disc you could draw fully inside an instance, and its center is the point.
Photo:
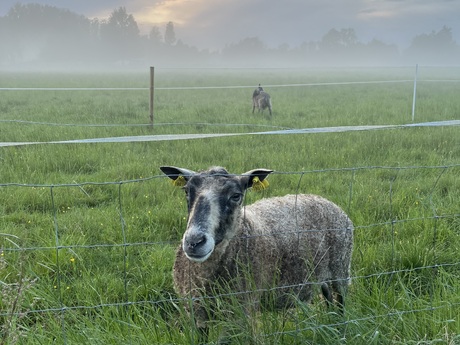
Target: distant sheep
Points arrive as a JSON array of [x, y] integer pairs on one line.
[[261, 100], [289, 241]]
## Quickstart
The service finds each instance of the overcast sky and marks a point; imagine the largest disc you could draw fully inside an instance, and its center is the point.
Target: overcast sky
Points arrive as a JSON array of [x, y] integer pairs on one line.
[[215, 23]]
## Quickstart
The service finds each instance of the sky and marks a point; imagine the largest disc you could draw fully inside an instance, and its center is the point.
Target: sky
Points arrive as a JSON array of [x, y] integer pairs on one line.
[[213, 24]]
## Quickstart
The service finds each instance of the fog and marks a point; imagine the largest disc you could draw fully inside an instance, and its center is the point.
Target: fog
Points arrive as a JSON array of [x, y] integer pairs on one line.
[[43, 37]]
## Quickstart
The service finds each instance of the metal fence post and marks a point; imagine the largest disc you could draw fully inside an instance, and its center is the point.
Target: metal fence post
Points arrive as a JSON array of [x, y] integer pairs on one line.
[[152, 73], [415, 93]]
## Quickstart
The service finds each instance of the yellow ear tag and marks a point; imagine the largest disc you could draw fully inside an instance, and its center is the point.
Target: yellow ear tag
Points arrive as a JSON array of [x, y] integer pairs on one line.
[[259, 185], [179, 181]]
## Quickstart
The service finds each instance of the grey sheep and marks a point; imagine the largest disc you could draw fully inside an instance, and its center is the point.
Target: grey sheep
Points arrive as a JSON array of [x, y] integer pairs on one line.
[[261, 100], [294, 242]]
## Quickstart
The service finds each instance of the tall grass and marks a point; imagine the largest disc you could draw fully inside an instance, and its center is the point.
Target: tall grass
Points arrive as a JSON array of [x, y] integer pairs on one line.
[[88, 231]]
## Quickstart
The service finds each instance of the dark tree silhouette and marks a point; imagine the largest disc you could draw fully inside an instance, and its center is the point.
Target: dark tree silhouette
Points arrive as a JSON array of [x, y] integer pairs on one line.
[[436, 47], [35, 35], [33, 32], [155, 36], [170, 35], [335, 39], [120, 35]]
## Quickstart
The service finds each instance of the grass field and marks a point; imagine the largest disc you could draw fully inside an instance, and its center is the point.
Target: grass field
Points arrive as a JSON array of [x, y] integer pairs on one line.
[[88, 231]]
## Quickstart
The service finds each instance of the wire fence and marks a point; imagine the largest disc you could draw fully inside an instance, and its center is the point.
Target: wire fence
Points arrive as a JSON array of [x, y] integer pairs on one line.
[[204, 87], [437, 215], [213, 87], [393, 223], [216, 87]]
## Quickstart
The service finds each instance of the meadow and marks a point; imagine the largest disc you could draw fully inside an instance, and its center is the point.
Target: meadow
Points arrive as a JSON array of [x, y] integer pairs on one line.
[[88, 231]]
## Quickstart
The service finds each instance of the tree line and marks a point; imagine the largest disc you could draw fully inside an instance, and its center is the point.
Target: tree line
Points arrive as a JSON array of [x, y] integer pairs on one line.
[[41, 35]]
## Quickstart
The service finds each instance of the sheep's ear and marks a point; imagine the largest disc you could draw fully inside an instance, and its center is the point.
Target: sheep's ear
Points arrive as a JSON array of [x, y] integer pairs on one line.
[[256, 179], [179, 176]]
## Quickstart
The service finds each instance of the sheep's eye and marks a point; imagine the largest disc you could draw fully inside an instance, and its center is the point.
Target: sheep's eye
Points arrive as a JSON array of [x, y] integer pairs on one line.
[[236, 197]]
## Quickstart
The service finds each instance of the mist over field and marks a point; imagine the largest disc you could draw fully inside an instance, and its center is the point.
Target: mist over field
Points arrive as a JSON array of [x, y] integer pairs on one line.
[[45, 37]]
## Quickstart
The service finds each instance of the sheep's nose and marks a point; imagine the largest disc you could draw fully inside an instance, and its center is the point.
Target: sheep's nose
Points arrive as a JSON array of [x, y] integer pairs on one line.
[[194, 241]]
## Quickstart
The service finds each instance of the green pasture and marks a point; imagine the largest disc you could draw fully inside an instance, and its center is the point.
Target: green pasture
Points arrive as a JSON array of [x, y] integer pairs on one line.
[[88, 231]]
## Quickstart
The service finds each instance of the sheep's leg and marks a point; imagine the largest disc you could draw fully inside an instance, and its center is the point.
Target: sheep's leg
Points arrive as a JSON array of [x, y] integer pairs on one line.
[[200, 315], [340, 290], [203, 335], [341, 303], [260, 105], [327, 294]]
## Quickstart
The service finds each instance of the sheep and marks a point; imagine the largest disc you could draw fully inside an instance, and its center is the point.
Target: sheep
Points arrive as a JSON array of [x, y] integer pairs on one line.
[[261, 100], [296, 242]]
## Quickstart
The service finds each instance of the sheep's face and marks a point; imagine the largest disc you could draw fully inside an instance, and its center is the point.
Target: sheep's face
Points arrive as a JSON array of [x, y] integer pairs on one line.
[[214, 199], [213, 203]]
